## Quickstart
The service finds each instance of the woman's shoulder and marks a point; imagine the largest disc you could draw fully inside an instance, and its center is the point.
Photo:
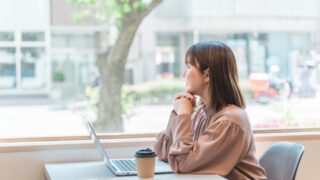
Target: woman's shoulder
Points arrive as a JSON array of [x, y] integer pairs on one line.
[[233, 110], [235, 115]]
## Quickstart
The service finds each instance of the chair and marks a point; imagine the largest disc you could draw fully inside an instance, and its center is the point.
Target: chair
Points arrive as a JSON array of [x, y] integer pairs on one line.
[[281, 160]]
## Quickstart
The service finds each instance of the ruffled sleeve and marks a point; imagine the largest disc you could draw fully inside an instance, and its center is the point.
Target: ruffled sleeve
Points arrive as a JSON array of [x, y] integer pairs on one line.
[[164, 140], [217, 150], [162, 146]]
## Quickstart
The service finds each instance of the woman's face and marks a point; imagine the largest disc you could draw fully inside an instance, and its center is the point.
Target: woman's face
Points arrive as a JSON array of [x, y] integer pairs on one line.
[[194, 80]]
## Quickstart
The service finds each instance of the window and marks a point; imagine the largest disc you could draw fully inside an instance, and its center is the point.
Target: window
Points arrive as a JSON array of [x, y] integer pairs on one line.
[[6, 36], [165, 60], [33, 36], [33, 68], [78, 40], [55, 65], [7, 68]]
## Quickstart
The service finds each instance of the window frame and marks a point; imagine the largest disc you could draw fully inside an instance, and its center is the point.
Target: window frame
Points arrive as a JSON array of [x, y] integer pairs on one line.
[[136, 140], [46, 43], [267, 132]]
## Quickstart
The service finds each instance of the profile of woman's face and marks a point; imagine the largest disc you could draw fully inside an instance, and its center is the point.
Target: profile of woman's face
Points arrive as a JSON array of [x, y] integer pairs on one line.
[[194, 79]]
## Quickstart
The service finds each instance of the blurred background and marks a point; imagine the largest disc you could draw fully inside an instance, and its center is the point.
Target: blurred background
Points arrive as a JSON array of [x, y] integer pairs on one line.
[[50, 79]]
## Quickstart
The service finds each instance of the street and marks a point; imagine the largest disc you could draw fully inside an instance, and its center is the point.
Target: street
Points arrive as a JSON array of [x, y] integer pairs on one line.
[[54, 119]]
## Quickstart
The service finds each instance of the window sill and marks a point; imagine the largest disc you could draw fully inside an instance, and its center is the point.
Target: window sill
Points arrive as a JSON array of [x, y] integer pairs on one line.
[[133, 140], [73, 144], [289, 136], [117, 136]]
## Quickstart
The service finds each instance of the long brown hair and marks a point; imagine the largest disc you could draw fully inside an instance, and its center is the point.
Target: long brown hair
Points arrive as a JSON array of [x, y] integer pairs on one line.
[[219, 59]]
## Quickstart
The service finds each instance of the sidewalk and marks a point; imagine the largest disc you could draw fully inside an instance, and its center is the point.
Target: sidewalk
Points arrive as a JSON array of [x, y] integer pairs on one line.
[[25, 117], [33, 118]]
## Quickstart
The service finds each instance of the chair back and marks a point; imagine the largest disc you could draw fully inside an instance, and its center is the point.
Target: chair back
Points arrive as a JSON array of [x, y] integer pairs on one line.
[[281, 160]]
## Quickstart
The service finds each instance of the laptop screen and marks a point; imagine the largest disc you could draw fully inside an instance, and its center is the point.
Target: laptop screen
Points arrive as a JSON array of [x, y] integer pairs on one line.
[[98, 144]]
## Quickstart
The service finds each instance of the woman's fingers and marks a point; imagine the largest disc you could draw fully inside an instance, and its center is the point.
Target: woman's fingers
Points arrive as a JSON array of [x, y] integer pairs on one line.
[[178, 96], [185, 95], [183, 106], [188, 96]]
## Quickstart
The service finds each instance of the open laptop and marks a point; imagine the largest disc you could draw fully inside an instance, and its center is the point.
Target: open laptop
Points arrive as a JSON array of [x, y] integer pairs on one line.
[[124, 167]]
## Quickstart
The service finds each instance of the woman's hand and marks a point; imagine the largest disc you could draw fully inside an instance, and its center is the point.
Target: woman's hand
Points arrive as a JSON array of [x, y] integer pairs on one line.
[[188, 96], [184, 103]]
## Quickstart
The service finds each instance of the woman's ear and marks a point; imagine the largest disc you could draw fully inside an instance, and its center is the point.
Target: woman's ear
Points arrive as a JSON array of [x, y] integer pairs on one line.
[[206, 75]]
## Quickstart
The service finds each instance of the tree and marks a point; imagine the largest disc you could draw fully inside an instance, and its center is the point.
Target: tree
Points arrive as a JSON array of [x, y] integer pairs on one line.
[[125, 16]]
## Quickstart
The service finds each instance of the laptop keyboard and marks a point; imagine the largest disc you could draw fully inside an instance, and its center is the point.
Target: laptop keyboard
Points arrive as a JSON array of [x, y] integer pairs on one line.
[[125, 165]]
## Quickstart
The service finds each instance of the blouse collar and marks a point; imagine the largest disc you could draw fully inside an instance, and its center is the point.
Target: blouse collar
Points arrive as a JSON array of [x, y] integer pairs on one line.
[[208, 110]]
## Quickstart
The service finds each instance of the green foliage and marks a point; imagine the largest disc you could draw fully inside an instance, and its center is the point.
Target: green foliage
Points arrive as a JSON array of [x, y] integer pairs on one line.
[[127, 101], [109, 12], [58, 76], [79, 16], [159, 92], [140, 6], [288, 120]]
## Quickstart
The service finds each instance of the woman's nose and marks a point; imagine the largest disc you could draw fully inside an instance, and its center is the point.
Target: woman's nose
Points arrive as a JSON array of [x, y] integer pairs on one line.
[[184, 74]]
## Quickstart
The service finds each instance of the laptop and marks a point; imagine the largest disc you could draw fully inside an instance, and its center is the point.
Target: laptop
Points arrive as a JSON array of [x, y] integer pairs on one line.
[[124, 167]]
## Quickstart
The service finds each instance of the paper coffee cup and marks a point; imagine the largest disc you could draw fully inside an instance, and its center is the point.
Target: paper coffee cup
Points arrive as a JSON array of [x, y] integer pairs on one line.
[[145, 161]]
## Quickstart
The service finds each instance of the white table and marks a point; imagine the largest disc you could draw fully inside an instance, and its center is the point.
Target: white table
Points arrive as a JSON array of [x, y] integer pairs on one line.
[[98, 170]]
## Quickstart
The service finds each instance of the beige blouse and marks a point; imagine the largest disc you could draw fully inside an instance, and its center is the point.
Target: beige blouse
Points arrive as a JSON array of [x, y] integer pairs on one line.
[[210, 143]]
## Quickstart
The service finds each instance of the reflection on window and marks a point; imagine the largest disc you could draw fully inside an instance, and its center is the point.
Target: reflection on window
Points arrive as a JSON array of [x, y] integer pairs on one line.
[[7, 68], [277, 52], [33, 68], [6, 36], [165, 61], [72, 73], [33, 36], [73, 40]]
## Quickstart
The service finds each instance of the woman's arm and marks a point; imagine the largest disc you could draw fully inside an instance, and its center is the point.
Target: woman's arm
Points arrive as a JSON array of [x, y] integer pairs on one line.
[[218, 149], [164, 140]]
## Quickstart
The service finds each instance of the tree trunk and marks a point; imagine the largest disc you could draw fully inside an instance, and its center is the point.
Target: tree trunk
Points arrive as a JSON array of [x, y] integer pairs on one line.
[[112, 68], [112, 71], [109, 117]]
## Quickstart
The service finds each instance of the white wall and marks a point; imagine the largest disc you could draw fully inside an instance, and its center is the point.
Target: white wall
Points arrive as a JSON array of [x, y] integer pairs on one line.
[[29, 165]]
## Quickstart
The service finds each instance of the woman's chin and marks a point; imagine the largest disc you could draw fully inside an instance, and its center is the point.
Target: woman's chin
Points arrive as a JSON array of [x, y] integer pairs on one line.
[[189, 90]]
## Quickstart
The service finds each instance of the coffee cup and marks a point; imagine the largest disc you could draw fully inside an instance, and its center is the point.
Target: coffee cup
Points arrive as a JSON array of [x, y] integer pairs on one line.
[[145, 161]]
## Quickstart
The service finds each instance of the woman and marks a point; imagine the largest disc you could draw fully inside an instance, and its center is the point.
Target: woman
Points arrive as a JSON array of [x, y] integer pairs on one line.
[[214, 137]]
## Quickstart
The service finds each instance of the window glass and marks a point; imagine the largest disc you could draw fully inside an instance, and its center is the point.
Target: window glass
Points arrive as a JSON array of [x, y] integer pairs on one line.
[[33, 69], [276, 44], [79, 40], [7, 68], [6, 36], [32, 36]]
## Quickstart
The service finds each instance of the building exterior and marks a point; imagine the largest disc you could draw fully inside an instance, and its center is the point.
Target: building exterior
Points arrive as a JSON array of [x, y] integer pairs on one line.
[[43, 50], [24, 47], [261, 35]]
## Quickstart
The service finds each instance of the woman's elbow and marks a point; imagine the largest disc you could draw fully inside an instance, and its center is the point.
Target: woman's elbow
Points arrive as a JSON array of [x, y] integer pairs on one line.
[[182, 168], [185, 170], [161, 155]]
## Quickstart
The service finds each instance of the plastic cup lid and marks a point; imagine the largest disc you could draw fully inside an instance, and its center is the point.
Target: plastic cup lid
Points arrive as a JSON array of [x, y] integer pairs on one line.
[[145, 153]]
